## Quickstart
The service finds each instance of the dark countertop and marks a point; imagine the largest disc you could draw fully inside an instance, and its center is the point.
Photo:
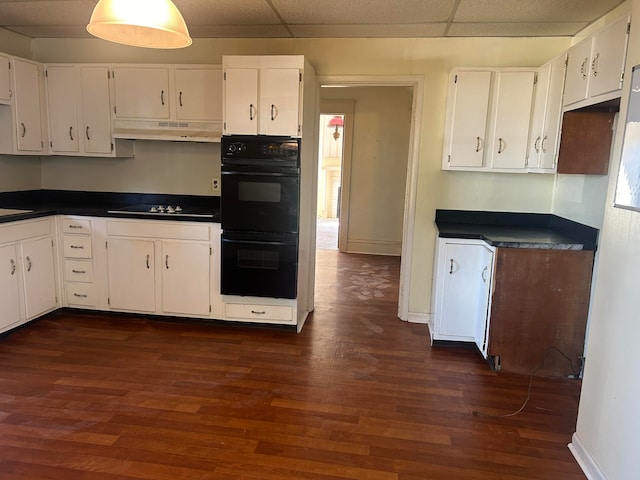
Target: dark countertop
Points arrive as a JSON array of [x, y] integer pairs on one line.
[[41, 203], [516, 230]]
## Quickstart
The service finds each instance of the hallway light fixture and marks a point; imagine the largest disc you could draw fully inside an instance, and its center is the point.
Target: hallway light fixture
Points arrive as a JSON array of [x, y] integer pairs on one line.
[[140, 23]]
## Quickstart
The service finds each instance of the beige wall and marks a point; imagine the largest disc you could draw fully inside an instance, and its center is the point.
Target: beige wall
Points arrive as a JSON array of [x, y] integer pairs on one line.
[[19, 173]]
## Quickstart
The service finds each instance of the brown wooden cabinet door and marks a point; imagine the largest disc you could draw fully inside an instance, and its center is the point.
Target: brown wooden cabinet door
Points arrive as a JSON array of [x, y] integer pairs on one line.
[[585, 144]]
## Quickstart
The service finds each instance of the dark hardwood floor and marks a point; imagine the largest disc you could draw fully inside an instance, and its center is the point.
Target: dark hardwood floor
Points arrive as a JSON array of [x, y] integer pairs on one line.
[[358, 394]]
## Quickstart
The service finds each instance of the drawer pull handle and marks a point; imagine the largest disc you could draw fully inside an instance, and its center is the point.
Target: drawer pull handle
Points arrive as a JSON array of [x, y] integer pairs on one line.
[[162, 97], [594, 65], [76, 226], [80, 295], [252, 111], [180, 98], [583, 68], [536, 145], [544, 149], [24, 130], [77, 247], [13, 266], [147, 262], [477, 144], [255, 312], [274, 112], [484, 274], [451, 263], [81, 272], [71, 133], [86, 133], [29, 264], [166, 261]]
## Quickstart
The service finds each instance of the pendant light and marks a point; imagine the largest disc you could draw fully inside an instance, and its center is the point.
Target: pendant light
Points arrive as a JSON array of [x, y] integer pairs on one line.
[[140, 23]]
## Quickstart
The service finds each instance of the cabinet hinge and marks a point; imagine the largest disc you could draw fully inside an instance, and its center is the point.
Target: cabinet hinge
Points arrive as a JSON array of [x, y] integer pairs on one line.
[[51, 143], [300, 77], [41, 143], [455, 79], [628, 28], [108, 301], [114, 110], [299, 129], [52, 243], [112, 146], [209, 308], [224, 126], [9, 62], [621, 77], [210, 251], [46, 73], [535, 78], [113, 74], [448, 158], [106, 245], [224, 76]]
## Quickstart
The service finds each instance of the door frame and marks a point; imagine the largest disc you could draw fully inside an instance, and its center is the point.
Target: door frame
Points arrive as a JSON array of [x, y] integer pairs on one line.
[[417, 82]]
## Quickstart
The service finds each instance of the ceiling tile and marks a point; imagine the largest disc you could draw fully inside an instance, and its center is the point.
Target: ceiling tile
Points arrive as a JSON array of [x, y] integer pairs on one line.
[[515, 29], [58, 12], [533, 10], [74, 31], [368, 31], [313, 12], [225, 12], [239, 31]]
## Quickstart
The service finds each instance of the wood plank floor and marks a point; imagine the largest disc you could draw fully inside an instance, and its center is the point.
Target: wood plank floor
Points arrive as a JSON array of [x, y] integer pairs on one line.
[[358, 394]]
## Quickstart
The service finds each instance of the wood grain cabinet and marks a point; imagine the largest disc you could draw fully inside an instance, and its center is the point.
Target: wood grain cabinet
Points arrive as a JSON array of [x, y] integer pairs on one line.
[[585, 147], [539, 310]]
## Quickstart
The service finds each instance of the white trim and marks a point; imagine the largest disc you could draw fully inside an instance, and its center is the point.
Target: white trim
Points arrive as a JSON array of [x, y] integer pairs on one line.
[[587, 463], [415, 317], [417, 82]]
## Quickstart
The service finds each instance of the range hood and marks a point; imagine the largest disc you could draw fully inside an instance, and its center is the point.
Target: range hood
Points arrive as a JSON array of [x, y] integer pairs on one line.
[[171, 130]]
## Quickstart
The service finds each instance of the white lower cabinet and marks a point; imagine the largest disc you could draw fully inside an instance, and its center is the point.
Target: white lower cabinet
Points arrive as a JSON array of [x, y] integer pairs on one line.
[[27, 272], [164, 268], [260, 310], [462, 291]]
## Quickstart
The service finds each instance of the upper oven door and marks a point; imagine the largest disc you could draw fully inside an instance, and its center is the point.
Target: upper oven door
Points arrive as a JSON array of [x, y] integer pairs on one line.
[[260, 199]]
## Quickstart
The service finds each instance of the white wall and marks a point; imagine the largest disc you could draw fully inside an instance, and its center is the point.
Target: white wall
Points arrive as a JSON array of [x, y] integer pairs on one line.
[[609, 419]]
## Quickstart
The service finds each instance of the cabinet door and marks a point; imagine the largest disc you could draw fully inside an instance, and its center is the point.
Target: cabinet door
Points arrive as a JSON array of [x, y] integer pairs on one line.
[[185, 278], [466, 283], [5, 79], [608, 57], [514, 101], [547, 113], [279, 101], [96, 113], [27, 104], [468, 109], [131, 275], [199, 94], [39, 277], [241, 101], [141, 92], [63, 112], [575, 86], [9, 286]]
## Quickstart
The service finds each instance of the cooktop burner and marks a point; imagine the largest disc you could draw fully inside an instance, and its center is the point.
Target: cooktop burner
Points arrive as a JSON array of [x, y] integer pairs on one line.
[[159, 210]]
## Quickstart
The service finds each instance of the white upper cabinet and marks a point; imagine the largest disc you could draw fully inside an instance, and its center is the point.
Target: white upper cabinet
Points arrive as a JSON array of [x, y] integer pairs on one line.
[[513, 104], [141, 92], [199, 94], [488, 116], [79, 111], [262, 95], [5, 79], [469, 95], [62, 108], [28, 111], [547, 114], [595, 67]]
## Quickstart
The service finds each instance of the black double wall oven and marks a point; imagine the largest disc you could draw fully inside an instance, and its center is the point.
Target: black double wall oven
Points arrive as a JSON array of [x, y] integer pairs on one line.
[[259, 207]]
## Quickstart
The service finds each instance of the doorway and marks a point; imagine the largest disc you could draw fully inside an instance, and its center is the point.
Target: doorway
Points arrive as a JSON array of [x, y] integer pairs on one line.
[[368, 216]]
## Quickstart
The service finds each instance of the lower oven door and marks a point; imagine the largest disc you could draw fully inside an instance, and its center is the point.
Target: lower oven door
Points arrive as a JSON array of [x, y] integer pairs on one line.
[[260, 265]]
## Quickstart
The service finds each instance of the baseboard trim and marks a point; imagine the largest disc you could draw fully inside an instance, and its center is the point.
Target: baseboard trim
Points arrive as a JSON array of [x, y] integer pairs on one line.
[[414, 317], [373, 247], [587, 463]]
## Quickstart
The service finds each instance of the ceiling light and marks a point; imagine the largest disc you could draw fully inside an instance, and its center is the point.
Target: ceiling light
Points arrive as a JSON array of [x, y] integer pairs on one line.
[[140, 23]]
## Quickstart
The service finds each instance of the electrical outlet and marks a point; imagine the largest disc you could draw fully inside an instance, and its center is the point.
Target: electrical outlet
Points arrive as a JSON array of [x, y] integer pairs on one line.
[[215, 184]]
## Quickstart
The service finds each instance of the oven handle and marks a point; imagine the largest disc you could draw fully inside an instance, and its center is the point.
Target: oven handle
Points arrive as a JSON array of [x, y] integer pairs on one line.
[[261, 174], [259, 242]]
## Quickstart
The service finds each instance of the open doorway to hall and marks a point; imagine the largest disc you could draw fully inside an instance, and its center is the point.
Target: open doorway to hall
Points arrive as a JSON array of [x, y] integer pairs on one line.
[[330, 161]]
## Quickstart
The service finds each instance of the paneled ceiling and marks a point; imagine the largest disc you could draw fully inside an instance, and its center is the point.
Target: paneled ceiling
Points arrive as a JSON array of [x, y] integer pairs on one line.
[[330, 18]]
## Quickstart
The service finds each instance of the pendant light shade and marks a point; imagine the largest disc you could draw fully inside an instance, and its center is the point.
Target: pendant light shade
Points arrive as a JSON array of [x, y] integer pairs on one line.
[[140, 23]]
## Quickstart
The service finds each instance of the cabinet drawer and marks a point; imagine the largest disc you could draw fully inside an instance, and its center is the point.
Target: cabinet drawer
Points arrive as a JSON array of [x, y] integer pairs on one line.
[[75, 225], [78, 271], [259, 313], [76, 246], [81, 294]]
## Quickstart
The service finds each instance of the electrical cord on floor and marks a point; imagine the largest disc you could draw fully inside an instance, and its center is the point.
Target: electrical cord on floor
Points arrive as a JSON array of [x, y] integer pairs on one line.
[[575, 375]]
